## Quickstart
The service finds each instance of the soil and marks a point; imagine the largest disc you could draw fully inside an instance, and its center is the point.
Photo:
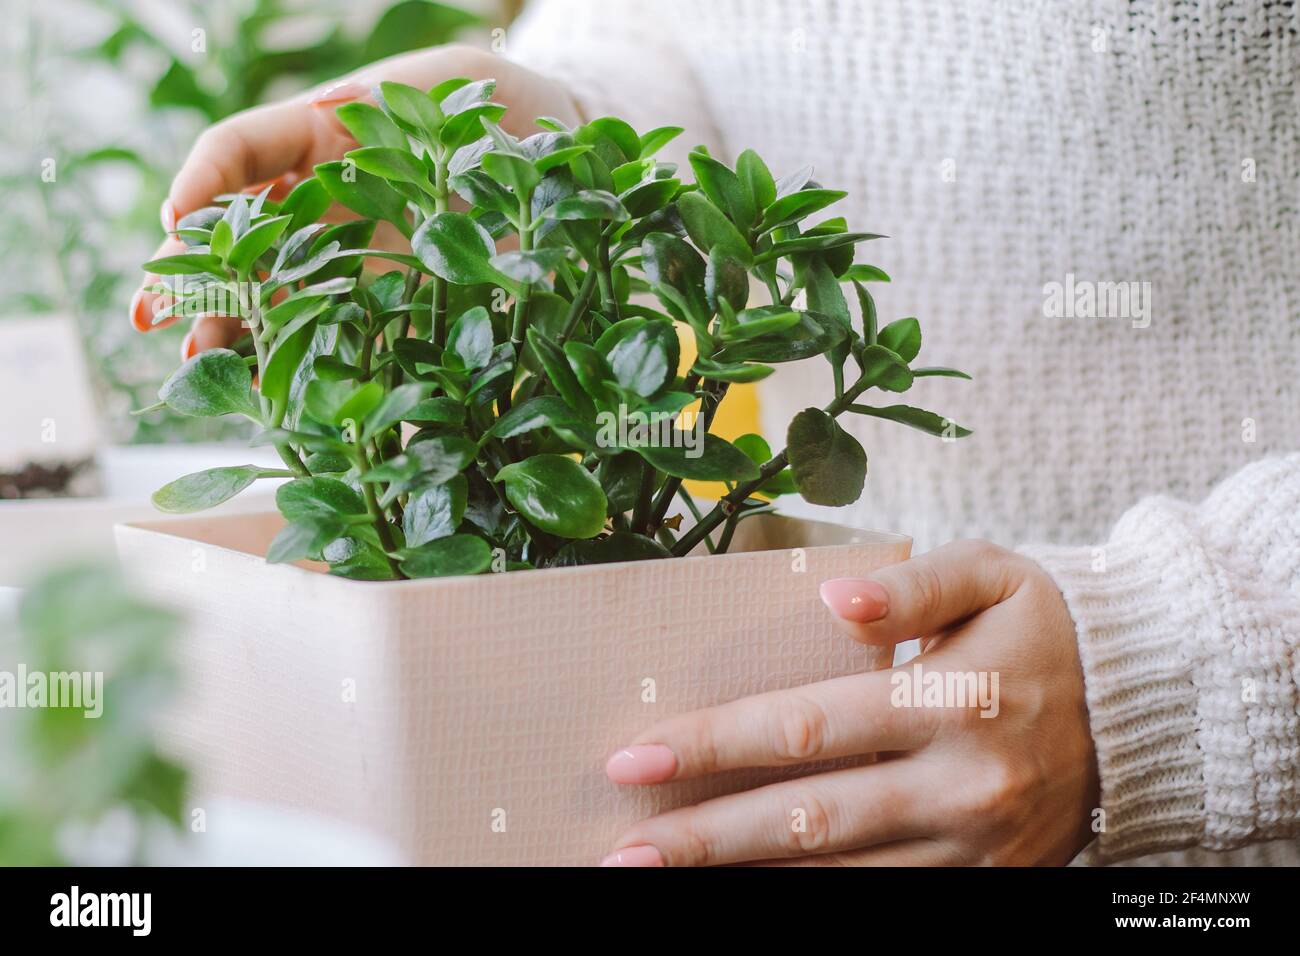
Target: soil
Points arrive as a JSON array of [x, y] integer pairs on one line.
[[59, 480]]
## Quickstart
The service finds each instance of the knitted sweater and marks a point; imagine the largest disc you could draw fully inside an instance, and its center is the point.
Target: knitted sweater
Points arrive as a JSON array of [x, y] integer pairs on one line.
[[1022, 154]]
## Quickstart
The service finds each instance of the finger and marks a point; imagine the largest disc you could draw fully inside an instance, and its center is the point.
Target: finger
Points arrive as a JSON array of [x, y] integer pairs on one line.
[[145, 305], [212, 332], [923, 595], [827, 813], [921, 852], [249, 147], [843, 717]]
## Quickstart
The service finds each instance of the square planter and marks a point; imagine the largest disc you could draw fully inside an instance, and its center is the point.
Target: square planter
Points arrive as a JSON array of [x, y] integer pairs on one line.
[[469, 719]]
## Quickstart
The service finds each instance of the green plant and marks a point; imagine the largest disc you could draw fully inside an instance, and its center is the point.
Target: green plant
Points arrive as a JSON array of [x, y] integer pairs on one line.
[[82, 677], [550, 431]]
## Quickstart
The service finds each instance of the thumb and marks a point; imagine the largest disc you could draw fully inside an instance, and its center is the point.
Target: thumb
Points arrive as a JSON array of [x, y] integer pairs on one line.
[[923, 595]]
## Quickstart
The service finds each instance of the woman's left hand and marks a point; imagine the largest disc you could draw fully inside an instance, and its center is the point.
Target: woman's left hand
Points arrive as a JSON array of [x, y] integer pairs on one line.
[[1010, 779]]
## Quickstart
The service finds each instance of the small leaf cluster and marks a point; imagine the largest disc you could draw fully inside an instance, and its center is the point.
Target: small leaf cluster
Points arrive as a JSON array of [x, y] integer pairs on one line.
[[447, 412]]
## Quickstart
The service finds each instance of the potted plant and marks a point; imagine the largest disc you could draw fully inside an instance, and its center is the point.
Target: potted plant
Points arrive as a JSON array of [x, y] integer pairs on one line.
[[510, 397]]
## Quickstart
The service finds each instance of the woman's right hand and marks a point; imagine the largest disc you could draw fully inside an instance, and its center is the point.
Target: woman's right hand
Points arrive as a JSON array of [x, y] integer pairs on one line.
[[279, 145]]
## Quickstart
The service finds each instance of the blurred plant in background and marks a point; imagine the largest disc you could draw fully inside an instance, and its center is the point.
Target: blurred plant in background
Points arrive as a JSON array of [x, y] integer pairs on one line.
[[103, 98], [77, 789]]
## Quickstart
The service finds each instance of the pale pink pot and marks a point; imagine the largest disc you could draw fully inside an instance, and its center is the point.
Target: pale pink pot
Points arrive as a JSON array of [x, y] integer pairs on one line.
[[469, 719]]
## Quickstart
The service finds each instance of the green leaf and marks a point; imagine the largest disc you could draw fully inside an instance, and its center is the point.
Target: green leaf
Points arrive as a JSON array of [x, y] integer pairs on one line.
[[283, 363], [303, 539], [885, 369], [657, 139], [755, 179], [361, 192], [731, 371], [620, 476], [812, 335], [187, 263], [828, 465], [902, 337], [214, 382], [724, 189], [393, 164], [354, 558], [928, 422], [867, 305], [755, 447], [205, 489], [620, 134], [454, 555], [671, 262], [412, 106], [479, 189], [456, 248], [684, 456], [255, 242], [813, 243], [933, 370], [369, 126], [531, 267], [510, 170], [305, 204], [588, 204], [709, 228], [866, 273], [556, 494], [646, 357], [425, 463], [592, 372], [725, 277], [558, 370], [542, 411], [471, 338], [795, 206], [307, 498], [396, 406], [435, 512], [762, 320]]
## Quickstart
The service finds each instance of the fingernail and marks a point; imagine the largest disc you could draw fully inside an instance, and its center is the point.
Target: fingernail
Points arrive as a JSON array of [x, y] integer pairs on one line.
[[338, 93], [855, 599], [141, 310], [645, 855], [642, 763], [168, 216], [188, 348]]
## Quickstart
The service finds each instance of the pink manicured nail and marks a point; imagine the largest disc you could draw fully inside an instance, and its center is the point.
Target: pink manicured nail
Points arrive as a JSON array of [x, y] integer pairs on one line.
[[168, 216], [855, 599], [338, 93], [644, 855], [642, 763]]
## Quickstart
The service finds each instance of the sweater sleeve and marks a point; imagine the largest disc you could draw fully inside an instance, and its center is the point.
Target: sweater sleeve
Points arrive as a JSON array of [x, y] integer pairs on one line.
[[1188, 621], [617, 58]]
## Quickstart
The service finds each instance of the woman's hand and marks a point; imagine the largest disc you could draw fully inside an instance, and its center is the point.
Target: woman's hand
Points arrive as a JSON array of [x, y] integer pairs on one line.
[[1010, 779], [279, 145]]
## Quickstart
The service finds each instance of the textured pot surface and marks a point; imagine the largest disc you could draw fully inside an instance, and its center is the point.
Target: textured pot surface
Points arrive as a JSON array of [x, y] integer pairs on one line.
[[469, 719]]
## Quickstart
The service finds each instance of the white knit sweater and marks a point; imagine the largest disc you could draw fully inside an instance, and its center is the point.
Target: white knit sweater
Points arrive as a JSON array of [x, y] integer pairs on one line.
[[1010, 145]]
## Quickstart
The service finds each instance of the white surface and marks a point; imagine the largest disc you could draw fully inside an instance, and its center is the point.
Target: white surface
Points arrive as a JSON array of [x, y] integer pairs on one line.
[[36, 533]]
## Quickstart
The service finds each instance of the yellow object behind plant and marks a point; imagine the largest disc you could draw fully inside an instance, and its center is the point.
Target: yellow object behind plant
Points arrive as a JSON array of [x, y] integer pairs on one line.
[[737, 415]]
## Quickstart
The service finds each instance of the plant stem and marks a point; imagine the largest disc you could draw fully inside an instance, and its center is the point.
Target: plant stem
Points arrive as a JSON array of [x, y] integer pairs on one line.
[[608, 303], [439, 295], [641, 512], [671, 484], [272, 414], [377, 516]]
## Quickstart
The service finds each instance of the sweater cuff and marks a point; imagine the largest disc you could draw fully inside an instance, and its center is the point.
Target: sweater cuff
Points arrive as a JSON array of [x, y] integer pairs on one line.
[[1140, 688]]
